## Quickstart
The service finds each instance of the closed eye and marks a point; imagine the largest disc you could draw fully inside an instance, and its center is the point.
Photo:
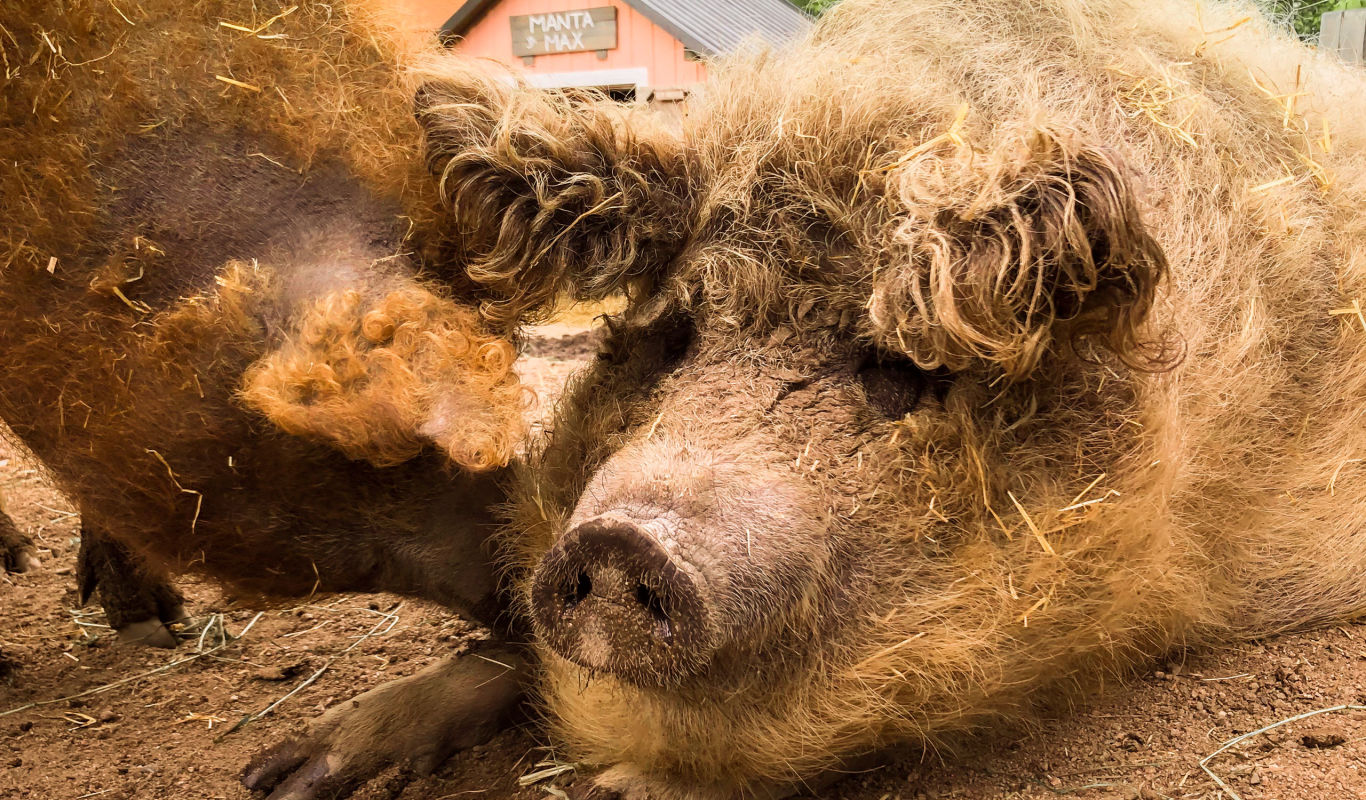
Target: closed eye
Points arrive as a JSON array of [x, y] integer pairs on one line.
[[653, 349], [894, 386]]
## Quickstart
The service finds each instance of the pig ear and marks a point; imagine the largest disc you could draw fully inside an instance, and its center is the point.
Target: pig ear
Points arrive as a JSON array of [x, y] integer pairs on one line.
[[551, 194], [1012, 256], [382, 378]]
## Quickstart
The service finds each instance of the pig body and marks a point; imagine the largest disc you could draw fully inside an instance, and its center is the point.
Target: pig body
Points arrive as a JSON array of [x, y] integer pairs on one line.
[[975, 351], [198, 285], [225, 334]]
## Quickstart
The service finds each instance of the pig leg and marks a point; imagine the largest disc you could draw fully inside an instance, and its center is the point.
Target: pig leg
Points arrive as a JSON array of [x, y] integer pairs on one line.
[[139, 604], [16, 549], [415, 723]]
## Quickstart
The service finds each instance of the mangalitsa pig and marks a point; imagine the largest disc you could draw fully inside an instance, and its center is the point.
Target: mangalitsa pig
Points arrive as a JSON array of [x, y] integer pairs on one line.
[[974, 349]]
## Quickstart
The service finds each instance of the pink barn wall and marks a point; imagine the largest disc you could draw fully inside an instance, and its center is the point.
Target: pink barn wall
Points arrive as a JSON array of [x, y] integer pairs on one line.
[[423, 15], [421, 18], [640, 43]]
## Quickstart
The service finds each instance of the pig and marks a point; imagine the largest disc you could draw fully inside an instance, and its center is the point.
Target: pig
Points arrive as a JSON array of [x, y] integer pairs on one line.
[[222, 331], [974, 352]]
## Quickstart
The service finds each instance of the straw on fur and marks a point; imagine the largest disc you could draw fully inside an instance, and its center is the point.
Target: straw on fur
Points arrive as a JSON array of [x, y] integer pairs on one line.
[[198, 281]]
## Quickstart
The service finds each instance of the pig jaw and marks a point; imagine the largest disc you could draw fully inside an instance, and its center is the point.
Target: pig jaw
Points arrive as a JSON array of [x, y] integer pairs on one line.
[[671, 558]]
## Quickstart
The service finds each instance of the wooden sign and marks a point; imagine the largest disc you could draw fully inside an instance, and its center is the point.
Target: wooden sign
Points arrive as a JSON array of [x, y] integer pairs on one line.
[[564, 31]]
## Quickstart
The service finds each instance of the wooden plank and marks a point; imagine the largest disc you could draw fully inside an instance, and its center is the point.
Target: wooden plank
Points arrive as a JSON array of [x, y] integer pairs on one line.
[[564, 31], [1330, 31], [1352, 37]]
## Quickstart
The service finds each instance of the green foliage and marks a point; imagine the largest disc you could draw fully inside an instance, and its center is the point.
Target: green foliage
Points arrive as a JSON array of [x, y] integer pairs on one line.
[[818, 7]]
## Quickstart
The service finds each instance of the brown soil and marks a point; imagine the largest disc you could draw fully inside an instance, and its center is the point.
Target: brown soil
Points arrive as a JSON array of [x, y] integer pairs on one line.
[[170, 733]]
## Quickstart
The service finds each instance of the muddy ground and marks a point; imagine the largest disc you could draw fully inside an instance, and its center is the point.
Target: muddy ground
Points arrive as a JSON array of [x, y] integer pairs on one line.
[[162, 724]]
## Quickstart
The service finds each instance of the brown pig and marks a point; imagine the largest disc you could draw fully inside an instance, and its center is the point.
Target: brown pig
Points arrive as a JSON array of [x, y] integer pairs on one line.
[[219, 329]]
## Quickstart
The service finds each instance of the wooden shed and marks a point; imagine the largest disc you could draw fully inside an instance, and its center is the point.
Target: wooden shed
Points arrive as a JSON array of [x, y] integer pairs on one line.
[[652, 50]]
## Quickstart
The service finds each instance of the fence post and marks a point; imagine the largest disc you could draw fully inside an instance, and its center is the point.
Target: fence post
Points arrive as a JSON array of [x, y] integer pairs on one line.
[[1344, 33]]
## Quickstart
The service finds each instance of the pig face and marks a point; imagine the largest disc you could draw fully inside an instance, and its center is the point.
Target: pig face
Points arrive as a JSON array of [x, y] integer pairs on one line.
[[804, 496]]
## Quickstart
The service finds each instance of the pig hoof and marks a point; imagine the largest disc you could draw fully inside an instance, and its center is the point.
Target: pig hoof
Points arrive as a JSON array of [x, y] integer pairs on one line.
[[414, 723], [19, 558], [16, 549], [139, 605], [147, 632], [163, 608]]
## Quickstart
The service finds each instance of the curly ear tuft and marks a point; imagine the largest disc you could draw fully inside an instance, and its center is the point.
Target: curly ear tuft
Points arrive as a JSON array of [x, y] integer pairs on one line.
[[551, 193], [1007, 257], [381, 378]]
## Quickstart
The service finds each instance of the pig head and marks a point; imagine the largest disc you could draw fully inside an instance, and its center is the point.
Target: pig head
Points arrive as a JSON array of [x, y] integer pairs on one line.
[[772, 525]]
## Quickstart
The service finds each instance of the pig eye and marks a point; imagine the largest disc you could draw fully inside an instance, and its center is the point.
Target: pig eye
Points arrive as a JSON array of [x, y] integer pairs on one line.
[[657, 347], [894, 386]]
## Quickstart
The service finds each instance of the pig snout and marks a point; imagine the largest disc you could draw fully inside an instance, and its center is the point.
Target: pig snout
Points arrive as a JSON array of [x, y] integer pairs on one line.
[[679, 561], [609, 597]]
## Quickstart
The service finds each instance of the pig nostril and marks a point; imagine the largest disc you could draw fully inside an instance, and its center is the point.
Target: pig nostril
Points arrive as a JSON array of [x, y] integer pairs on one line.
[[608, 597], [655, 605], [579, 592]]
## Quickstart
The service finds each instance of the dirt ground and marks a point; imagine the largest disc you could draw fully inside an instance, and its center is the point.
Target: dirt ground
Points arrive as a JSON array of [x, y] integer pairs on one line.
[[163, 724]]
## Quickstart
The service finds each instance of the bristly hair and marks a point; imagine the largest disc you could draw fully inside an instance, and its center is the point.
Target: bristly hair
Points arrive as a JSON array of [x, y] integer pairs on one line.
[[1003, 189]]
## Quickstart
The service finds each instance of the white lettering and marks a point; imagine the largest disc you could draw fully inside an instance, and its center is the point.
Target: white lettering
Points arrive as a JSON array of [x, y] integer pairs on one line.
[[558, 31]]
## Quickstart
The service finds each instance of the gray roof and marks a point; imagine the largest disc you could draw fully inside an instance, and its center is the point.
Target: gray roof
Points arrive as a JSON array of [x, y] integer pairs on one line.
[[712, 27], [707, 27]]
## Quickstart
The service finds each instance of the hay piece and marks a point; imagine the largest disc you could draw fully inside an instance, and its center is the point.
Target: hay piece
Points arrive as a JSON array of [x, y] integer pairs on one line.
[[237, 83]]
